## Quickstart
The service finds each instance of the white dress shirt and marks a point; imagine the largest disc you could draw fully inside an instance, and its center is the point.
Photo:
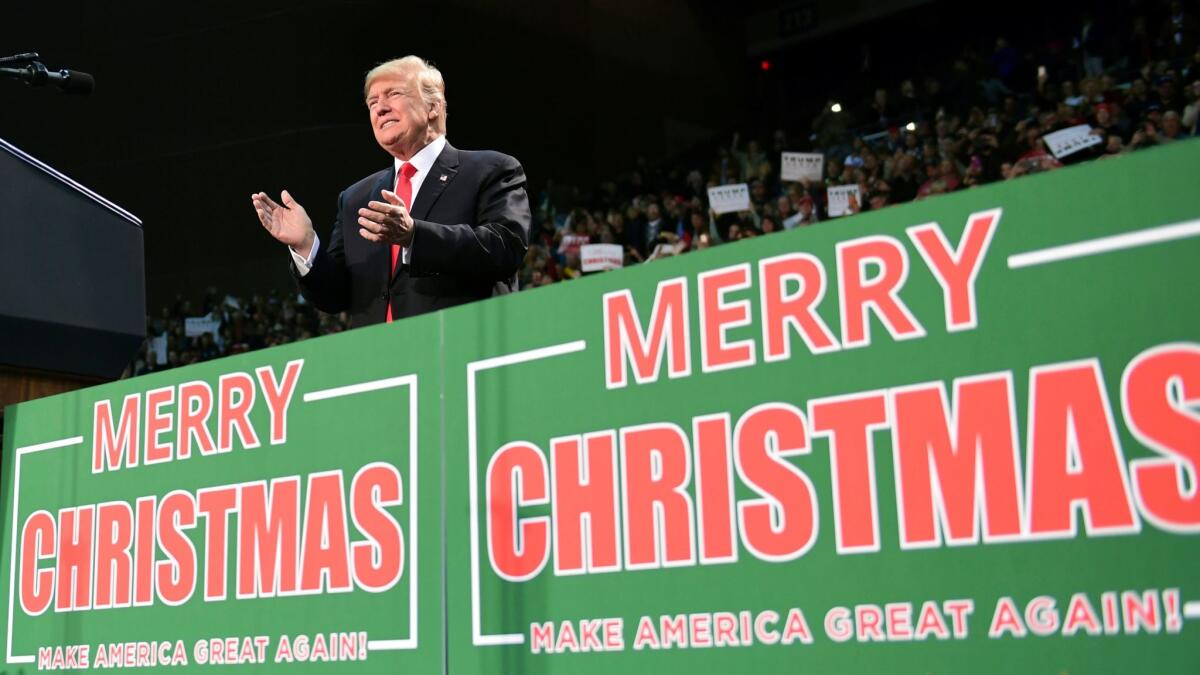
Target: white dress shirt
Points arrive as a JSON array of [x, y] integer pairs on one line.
[[423, 161]]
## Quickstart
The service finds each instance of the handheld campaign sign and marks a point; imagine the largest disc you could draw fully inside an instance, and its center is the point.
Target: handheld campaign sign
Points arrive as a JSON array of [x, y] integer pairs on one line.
[[1071, 140], [194, 326], [601, 257], [729, 198], [839, 199], [938, 433], [797, 166]]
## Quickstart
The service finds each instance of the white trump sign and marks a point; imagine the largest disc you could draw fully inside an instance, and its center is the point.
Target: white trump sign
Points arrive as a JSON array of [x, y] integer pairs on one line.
[[729, 198], [1071, 140], [839, 199], [798, 166], [194, 326]]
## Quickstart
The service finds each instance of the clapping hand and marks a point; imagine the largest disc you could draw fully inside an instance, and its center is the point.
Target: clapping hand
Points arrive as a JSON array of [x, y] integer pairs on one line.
[[288, 223], [386, 222]]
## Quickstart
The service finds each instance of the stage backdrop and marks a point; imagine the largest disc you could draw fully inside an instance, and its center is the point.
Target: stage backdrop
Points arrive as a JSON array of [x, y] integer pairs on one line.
[[961, 434]]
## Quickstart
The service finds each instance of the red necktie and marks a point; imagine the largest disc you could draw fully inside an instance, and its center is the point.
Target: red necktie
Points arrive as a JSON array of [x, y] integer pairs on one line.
[[404, 191]]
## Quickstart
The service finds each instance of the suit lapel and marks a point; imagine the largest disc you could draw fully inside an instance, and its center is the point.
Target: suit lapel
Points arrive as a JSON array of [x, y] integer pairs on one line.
[[444, 168], [380, 256]]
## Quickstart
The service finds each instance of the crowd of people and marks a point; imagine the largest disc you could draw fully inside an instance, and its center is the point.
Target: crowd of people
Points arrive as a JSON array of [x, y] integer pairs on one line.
[[186, 332], [980, 119]]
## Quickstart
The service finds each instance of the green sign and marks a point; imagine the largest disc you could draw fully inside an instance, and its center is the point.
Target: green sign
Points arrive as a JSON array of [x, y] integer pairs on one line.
[[956, 435]]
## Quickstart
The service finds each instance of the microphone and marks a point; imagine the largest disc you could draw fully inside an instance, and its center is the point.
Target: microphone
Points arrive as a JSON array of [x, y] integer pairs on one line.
[[73, 81], [35, 74]]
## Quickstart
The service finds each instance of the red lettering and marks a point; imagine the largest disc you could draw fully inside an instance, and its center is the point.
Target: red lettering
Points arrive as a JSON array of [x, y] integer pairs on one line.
[[157, 423], [516, 476], [850, 421], [796, 628], [195, 405], [959, 610], [646, 636], [1156, 390], [700, 630], [783, 311], [589, 635], [781, 525], [74, 573], [233, 414], [658, 509], [541, 637], [215, 505], [858, 295], [956, 270], [176, 576], [37, 543], [1080, 614], [718, 316], [1041, 615], [714, 489], [378, 559], [899, 621], [114, 562], [567, 640], [1140, 612], [1006, 619], [625, 341], [673, 630], [144, 548], [325, 549], [279, 396], [867, 622], [268, 537], [108, 444], [931, 622], [725, 630], [1074, 457], [585, 497], [975, 445]]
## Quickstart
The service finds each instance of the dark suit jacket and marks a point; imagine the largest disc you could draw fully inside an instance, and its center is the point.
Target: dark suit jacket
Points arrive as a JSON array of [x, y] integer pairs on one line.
[[471, 231]]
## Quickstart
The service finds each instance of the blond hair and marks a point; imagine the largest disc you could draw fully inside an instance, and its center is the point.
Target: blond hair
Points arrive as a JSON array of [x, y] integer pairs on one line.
[[428, 78]]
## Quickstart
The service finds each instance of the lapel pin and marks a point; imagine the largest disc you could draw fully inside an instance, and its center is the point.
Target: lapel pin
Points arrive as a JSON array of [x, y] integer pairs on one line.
[[442, 178]]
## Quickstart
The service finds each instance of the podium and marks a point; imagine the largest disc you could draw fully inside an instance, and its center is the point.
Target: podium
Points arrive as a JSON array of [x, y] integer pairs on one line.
[[72, 282]]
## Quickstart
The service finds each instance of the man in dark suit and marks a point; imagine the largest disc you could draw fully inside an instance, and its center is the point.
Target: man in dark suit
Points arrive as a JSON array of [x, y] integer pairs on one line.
[[439, 228]]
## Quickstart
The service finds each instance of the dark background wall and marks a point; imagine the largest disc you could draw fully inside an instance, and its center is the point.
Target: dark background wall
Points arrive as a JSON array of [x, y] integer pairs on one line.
[[198, 104]]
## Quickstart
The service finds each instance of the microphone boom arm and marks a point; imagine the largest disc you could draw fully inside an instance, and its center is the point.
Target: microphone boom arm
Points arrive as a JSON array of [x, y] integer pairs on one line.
[[35, 73]]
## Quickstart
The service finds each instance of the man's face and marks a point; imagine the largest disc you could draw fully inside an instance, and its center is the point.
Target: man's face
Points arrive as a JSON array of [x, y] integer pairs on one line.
[[399, 117], [653, 212]]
